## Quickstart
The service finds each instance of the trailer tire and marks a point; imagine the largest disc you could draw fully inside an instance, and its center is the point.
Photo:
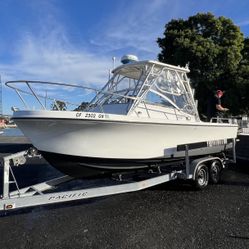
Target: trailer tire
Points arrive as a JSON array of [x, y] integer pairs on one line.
[[201, 177], [214, 171]]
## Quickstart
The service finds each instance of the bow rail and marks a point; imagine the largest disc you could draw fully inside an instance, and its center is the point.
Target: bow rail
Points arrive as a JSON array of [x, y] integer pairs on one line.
[[31, 91]]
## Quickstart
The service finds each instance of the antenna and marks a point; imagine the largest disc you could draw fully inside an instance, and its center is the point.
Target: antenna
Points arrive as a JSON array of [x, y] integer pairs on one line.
[[110, 74], [114, 60], [113, 66]]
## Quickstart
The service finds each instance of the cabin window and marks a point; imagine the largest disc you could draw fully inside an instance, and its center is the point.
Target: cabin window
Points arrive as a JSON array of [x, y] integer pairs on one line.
[[154, 98]]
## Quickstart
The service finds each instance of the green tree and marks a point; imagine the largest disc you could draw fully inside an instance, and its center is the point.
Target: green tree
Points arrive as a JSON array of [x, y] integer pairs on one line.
[[238, 93], [212, 47], [59, 106]]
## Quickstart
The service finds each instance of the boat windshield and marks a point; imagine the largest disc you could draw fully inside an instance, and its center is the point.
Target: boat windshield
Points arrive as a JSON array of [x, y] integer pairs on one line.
[[120, 88], [123, 88]]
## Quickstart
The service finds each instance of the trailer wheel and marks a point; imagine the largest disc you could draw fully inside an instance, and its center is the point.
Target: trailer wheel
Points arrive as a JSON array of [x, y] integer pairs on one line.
[[201, 177], [214, 172]]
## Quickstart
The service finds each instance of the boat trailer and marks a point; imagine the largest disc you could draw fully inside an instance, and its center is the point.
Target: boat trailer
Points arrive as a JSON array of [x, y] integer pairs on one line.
[[200, 170]]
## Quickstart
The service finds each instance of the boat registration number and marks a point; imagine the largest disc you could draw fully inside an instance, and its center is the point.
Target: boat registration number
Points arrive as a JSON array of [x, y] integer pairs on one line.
[[89, 115]]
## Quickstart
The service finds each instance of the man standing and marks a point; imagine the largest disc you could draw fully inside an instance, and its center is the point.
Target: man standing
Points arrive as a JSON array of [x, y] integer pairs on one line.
[[215, 108]]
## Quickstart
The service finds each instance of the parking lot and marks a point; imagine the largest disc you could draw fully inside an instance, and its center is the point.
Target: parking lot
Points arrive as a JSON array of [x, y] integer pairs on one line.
[[172, 215]]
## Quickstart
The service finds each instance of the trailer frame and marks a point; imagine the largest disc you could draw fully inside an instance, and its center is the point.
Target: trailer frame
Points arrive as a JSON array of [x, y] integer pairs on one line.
[[35, 195]]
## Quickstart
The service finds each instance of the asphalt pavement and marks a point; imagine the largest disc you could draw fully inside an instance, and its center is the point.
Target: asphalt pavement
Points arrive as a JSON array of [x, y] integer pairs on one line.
[[172, 215]]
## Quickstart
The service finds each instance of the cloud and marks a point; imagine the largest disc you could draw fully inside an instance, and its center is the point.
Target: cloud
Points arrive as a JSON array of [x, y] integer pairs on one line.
[[48, 54], [51, 57], [136, 27], [43, 51], [243, 23]]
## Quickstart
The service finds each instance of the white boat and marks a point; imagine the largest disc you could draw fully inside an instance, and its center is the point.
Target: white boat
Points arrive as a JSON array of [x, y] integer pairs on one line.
[[142, 118]]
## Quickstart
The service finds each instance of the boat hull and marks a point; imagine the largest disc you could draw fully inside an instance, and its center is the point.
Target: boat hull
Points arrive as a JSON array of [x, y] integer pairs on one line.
[[88, 167], [116, 143]]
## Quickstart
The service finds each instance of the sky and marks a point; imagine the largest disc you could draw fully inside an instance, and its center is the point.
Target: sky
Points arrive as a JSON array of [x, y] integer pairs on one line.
[[74, 41]]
